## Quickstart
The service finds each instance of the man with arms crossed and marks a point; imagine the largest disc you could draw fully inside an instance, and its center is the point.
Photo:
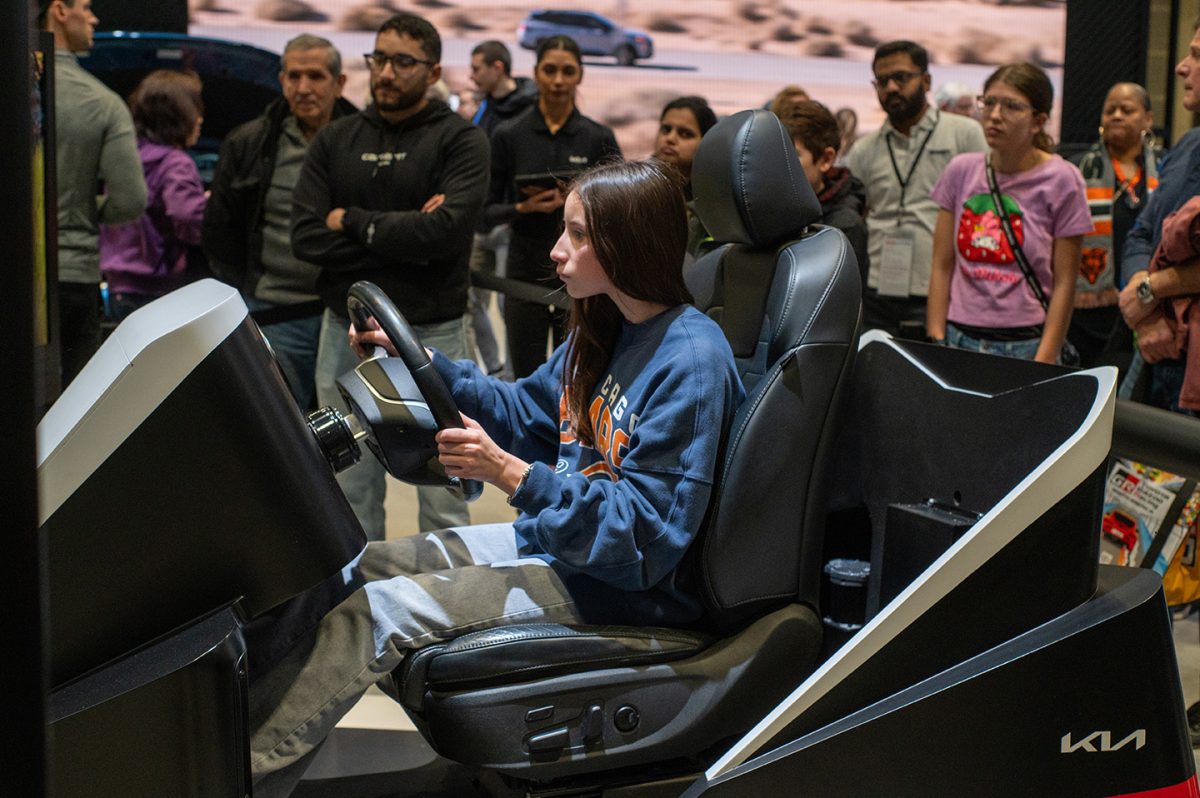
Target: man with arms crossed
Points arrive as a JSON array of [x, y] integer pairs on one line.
[[1142, 296], [391, 195]]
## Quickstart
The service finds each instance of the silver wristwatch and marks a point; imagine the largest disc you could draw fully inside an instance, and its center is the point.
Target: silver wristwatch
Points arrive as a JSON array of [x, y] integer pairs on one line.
[[1144, 292]]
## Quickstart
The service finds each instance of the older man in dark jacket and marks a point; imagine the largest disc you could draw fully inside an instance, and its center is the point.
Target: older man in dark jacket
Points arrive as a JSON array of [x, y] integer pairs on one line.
[[247, 224]]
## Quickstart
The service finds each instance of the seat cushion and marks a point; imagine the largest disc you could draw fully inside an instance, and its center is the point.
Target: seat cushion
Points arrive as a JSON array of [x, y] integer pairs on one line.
[[521, 653], [681, 708]]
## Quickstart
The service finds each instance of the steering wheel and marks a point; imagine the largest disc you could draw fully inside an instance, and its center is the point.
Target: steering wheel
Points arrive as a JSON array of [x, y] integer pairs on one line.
[[366, 301]]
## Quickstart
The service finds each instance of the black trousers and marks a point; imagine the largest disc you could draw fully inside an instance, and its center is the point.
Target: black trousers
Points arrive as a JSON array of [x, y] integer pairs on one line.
[[902, 316], [531, 328], [1101, 337], [78, 326]]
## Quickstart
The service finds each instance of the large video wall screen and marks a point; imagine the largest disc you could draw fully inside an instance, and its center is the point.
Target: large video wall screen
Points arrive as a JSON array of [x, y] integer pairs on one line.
[[735, 53]]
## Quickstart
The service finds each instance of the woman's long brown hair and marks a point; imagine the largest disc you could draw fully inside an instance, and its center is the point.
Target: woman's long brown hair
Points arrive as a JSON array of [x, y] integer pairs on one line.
[[637, 227]]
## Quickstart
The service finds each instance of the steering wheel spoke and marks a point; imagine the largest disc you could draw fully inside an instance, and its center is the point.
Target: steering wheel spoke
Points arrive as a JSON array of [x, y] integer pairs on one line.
[[367, 301]]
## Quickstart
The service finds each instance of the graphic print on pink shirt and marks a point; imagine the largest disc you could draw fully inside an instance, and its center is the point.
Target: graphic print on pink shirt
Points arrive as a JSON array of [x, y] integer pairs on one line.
[[981, 237]]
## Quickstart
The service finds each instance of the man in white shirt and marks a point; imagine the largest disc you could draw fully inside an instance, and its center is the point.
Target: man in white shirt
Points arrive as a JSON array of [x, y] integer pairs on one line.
[[899, 165]]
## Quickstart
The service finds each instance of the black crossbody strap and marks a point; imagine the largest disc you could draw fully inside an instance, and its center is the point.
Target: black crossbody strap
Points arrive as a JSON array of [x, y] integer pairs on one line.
[[1018, 253]]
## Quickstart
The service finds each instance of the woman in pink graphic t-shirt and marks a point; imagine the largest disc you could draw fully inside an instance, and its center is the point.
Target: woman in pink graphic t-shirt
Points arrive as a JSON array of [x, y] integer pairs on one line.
[[979, 298]]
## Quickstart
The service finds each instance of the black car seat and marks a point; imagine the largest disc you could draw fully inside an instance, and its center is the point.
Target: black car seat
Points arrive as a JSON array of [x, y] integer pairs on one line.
[[544, 702]]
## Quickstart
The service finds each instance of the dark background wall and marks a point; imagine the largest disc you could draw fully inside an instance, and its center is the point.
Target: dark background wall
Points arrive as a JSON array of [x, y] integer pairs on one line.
[[158, 15], [1106, 44], [22, 667]]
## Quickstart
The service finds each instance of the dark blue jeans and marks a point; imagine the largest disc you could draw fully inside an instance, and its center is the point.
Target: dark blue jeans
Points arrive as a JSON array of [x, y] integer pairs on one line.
[[1025, 350], [295, 344], [1166, 381]]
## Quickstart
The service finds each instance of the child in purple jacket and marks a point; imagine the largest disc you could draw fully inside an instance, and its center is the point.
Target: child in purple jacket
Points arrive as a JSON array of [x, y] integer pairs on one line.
[[146, 258]]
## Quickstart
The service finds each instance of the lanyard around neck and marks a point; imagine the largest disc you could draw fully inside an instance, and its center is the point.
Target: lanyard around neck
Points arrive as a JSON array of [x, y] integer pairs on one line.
[[912, 167], [1127, 186], [481, 110]]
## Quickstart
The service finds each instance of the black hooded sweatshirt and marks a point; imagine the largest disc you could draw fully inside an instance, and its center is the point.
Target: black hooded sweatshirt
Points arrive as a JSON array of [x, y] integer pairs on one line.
[[496, 111], [382, 174]]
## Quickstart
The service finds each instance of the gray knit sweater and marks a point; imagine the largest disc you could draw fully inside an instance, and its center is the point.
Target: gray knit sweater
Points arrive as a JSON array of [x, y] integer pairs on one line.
[[95, 145]]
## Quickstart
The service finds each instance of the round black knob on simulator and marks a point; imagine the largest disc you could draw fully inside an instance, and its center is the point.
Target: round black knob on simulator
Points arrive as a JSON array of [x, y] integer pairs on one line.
[[333, 435], [626, 718]]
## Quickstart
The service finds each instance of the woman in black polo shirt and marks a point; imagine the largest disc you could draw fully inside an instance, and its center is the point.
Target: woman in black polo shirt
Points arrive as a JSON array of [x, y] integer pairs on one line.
[[553, 140]]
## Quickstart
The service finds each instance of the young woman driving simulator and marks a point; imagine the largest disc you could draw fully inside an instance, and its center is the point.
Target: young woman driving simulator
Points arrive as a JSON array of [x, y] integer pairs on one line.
[[608, 451]]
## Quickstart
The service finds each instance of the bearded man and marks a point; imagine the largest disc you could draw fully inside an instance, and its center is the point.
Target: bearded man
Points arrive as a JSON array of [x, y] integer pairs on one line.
[[899, 165], [392, 194]]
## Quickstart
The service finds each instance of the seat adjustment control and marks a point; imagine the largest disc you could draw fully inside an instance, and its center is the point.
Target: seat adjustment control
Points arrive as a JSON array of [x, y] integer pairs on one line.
[[593, 724], [626, 718], [549, 742], [541, 713]]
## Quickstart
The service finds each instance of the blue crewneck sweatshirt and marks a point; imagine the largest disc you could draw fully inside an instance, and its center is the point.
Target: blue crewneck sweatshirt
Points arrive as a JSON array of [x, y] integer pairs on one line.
[[614, 520]]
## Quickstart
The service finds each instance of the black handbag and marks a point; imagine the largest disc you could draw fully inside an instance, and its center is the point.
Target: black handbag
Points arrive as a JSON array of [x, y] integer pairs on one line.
[[1068, 355]]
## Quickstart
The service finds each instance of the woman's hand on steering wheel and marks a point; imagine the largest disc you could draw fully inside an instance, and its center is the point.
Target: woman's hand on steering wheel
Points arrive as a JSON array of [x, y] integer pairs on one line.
[[470, 453], [362, 341]]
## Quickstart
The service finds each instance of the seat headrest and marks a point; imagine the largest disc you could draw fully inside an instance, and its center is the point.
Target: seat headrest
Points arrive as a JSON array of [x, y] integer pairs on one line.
[[748, 185]]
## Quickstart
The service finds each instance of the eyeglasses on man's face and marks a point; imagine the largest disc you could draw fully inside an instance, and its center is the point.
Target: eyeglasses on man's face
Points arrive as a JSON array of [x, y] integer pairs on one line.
[[901, 79], [400, 62], [1008, 105]]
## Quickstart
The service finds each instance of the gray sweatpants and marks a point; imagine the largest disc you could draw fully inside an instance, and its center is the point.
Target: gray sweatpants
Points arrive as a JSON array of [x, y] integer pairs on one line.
[[400, 595]]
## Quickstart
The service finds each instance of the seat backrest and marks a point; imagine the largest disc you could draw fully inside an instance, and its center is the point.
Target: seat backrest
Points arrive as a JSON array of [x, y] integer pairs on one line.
[[787, 293]]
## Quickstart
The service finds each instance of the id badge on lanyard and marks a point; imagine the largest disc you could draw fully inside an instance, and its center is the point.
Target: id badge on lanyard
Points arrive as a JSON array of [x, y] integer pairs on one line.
[[895, 267], [896, 261]]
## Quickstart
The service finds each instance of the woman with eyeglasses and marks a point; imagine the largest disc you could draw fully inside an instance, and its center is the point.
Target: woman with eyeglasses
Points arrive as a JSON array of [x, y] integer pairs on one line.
[[1120, 170], [1017, 202], [534, 155]]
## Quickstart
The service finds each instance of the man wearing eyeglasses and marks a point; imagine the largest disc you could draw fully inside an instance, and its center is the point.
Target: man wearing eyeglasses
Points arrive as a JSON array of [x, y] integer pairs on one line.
[[899, 165], [392, 194]]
